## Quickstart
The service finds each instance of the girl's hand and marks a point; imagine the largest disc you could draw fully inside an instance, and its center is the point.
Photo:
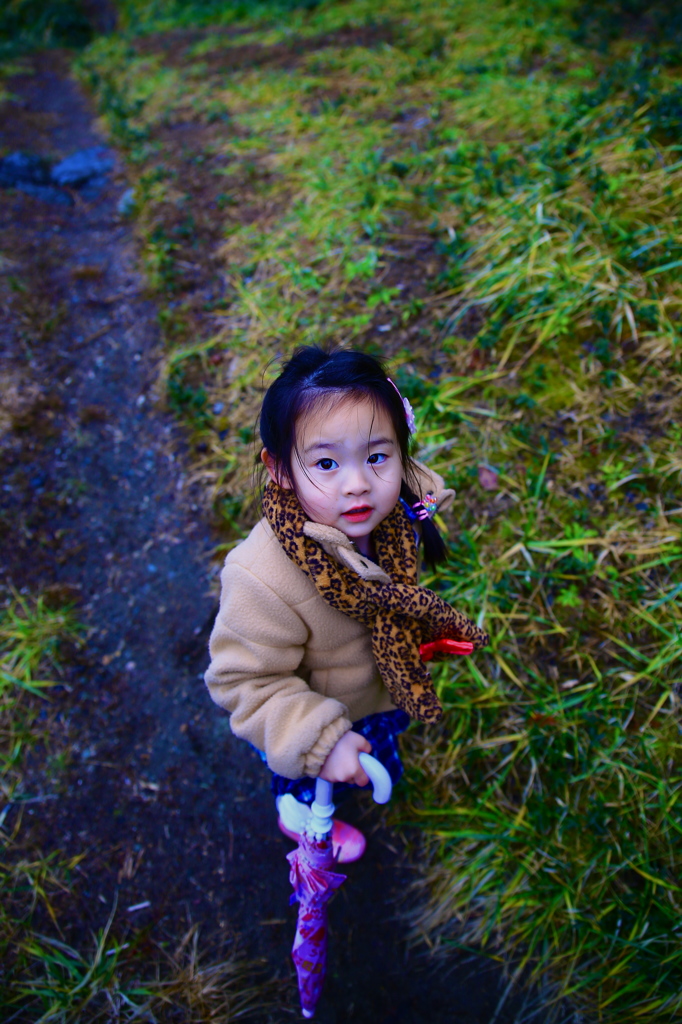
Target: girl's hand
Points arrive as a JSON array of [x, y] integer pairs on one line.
[[342, 763]]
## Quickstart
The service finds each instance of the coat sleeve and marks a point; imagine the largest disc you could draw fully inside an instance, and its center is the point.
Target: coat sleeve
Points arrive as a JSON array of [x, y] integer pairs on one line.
[[257, 646]]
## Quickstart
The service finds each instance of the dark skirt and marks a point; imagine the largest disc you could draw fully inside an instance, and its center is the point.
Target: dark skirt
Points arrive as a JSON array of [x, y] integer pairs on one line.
[[382, 731]]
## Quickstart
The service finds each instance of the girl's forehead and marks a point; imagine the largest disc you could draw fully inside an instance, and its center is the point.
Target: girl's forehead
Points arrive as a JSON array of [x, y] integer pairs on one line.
[[337, 416]]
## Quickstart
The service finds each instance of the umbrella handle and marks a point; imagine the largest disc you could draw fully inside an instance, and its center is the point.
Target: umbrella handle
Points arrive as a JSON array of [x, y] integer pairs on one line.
[[378, 776], [320, 821]]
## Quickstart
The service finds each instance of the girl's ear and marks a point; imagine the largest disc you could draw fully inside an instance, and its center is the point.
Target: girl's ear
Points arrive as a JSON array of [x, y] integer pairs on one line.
[[269, 463]]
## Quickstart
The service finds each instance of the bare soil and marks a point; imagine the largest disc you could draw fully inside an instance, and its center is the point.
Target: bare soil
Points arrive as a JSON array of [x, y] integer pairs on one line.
[[149, 782], [228, 55]]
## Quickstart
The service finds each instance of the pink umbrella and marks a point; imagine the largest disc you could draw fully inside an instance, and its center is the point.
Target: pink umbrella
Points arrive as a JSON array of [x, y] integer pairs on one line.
[[314, 881]]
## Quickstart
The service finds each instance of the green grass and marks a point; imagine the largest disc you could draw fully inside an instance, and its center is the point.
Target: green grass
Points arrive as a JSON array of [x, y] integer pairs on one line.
[[31, 634], [26, 24], [32, 638], [74, 986], [490, 194], [160, 15]]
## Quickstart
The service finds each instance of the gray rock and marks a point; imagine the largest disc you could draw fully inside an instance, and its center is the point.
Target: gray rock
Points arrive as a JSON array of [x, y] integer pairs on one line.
[[93, 187], [23, 168], [81, 166], [126, 204], [46, 193]]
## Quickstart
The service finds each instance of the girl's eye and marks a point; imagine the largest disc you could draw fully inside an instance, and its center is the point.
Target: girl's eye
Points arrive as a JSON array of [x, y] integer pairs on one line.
[[377, 458], [327, 464]]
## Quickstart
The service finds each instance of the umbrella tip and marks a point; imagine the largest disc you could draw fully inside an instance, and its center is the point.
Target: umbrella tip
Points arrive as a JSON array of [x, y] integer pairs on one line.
[[307, 1013]]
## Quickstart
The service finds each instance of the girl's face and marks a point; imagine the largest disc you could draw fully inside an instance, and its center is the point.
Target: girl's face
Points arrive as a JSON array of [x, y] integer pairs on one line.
[[348, 469]]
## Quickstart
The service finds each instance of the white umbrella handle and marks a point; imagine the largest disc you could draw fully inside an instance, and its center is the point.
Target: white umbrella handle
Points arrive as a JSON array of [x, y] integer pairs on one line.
[[320, 822], [378, 776]]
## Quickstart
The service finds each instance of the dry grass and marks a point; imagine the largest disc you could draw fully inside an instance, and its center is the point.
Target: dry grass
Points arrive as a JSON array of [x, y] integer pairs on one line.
[[114, 981]]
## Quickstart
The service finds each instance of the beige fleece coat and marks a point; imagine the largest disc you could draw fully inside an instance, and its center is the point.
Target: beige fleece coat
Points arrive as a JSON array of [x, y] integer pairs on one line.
[[293, 672]]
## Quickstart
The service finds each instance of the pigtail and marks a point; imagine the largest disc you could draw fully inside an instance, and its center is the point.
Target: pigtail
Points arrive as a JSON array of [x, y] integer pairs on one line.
[[433, 545]]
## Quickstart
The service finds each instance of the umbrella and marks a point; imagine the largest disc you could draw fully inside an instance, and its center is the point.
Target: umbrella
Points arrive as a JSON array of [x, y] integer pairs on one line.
[[312, 873], [314, 882]]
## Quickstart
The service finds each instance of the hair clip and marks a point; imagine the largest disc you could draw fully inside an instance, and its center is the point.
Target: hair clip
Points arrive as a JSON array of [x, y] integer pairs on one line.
[[424, 509], [409, 411]]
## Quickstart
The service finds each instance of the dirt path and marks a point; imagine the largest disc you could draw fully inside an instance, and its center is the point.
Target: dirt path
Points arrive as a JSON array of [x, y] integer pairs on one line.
[[171, 810]]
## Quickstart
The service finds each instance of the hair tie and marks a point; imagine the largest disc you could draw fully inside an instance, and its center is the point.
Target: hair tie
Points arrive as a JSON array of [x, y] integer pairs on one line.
[[409, 411], [424, 509]]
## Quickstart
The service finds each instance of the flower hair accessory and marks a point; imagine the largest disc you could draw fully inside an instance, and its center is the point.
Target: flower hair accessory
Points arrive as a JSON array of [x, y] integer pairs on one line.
[[409, 411], [424, 509]]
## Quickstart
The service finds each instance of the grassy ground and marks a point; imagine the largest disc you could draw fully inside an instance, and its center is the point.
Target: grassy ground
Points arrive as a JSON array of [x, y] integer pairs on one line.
[[103, 978], [487, 193]]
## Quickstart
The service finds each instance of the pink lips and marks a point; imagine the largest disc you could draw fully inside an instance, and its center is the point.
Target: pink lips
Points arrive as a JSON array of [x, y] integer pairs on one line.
[[358, 515]]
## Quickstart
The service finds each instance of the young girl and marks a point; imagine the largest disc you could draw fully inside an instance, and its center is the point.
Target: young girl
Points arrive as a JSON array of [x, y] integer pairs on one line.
[[315, 651]]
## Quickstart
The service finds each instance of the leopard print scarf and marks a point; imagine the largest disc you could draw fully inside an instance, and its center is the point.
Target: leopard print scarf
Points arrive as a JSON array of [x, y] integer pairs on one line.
[[401, 614]]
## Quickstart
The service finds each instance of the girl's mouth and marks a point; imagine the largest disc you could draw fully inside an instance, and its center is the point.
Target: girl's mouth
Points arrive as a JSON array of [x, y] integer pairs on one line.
[[358, 515]]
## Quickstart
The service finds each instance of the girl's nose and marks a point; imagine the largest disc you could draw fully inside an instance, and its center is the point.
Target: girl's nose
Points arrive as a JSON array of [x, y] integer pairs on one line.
[[355, 481]]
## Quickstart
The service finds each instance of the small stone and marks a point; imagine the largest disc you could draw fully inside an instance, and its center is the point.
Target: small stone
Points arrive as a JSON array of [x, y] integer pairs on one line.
[[81, 166], [23, 168], [126, 204]]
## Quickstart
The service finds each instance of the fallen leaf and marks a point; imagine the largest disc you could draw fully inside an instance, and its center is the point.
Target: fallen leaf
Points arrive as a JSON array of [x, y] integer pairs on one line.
[[487, 478]]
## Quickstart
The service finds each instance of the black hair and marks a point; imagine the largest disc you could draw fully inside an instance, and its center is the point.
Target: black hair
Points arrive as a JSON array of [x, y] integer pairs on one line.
[[311, 376]]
